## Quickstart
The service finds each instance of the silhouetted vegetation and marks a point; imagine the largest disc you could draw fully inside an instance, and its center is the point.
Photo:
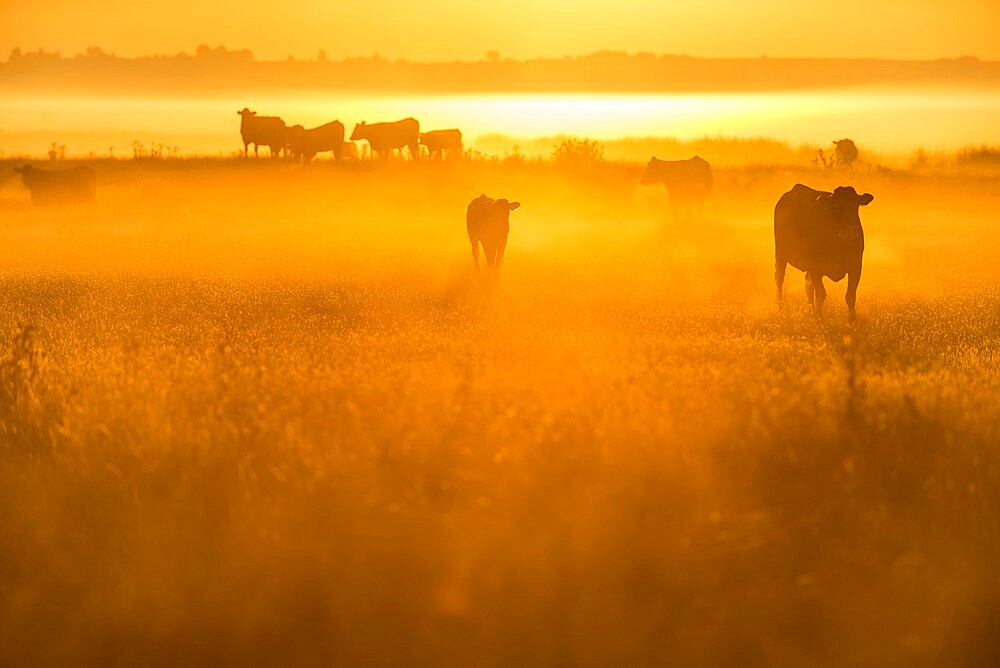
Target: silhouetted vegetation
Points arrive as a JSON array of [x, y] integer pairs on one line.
[[979, 157], [575, 151]]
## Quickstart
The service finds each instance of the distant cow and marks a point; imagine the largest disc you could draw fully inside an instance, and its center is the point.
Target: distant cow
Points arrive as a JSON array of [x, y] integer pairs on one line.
[[442, 143], [268, 131], [305, 144], [820, 233], [488, 223], [688, 183], [59, 186], [384, 137]]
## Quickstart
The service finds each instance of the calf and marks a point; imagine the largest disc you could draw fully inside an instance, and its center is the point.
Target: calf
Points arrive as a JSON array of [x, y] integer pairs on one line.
[[488, 223]]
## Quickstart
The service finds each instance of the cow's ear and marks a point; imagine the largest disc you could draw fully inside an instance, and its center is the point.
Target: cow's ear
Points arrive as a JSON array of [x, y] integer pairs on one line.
[[825, 201], [513, 205], [866, 199]]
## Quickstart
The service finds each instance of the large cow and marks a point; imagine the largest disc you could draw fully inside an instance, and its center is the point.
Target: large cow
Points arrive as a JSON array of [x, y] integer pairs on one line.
[[384, 137], [59, 186], [488, 223], [820, 233], [442, 143], [305, 144], [688, 183], [268, 131]]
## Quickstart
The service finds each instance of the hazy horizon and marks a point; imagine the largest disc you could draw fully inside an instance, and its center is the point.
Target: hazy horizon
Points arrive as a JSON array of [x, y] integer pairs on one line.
[[451, 29]]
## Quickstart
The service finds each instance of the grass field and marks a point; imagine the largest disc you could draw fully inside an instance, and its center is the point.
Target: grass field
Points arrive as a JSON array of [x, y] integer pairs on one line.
[[255, 414]]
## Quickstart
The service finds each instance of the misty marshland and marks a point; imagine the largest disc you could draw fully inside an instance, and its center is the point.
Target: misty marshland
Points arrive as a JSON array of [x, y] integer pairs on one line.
[[256, 413]]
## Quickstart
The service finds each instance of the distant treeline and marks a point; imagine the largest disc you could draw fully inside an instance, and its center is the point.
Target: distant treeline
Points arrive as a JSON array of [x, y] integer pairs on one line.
[[606, 71]]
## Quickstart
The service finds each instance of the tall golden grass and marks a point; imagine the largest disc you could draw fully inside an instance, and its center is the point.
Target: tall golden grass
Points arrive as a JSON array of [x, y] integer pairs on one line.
[[255, 414]]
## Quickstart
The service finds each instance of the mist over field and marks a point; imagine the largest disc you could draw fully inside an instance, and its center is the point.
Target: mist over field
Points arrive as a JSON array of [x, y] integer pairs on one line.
[[256, 413]]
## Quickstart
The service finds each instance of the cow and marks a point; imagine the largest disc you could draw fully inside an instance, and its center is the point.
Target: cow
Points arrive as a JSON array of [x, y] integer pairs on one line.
[[688, 183], [305, 144], [268, 131], [59, 186], [820, 233], [384, 137], [441, 143], [488, 223]]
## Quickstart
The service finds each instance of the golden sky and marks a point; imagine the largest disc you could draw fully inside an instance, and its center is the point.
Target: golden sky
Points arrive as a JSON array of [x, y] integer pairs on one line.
[[466, 29]]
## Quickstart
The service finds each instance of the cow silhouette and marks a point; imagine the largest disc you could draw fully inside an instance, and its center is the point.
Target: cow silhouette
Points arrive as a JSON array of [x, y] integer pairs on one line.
[[442, 143], [59, 186], [385, 137], [305, 144], [820, 233], [488, 223], [688, 183], [268, 131]]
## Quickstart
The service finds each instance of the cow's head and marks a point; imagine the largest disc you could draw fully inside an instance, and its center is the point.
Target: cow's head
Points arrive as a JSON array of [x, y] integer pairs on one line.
[[844, 203], [502, 208], [246, 113], [25, 170], [359, 131], [649, 176]]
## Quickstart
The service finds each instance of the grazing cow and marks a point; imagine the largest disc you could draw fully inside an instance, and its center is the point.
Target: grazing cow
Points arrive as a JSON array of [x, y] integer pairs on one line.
[[820, 233], [488, 223], [688, 182], [442, 142], [59, 186], [305, 144], [384, 137], [268, 131]]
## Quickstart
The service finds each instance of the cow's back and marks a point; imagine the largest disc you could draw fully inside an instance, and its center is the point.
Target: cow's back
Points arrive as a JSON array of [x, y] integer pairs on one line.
[[691, 177], [327, 137], [796, 224], [60, 186], [397, 134], [262, 129], [477, 216], [808, 237]]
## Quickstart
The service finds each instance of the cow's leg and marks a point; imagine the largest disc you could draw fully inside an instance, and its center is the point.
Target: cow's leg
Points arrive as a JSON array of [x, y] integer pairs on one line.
[[415, 151], [491, 254], [853, 278], [246, 149], [256, 150], [500, 250], [475, 253], [820, 294], [779, 275]]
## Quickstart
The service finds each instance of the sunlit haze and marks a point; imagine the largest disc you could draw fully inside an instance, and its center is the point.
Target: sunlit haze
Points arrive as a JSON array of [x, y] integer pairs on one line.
[[474, 333]]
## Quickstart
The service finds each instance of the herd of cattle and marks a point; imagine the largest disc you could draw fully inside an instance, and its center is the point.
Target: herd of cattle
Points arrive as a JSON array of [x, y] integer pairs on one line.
[[383, 138], [815, 231]]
